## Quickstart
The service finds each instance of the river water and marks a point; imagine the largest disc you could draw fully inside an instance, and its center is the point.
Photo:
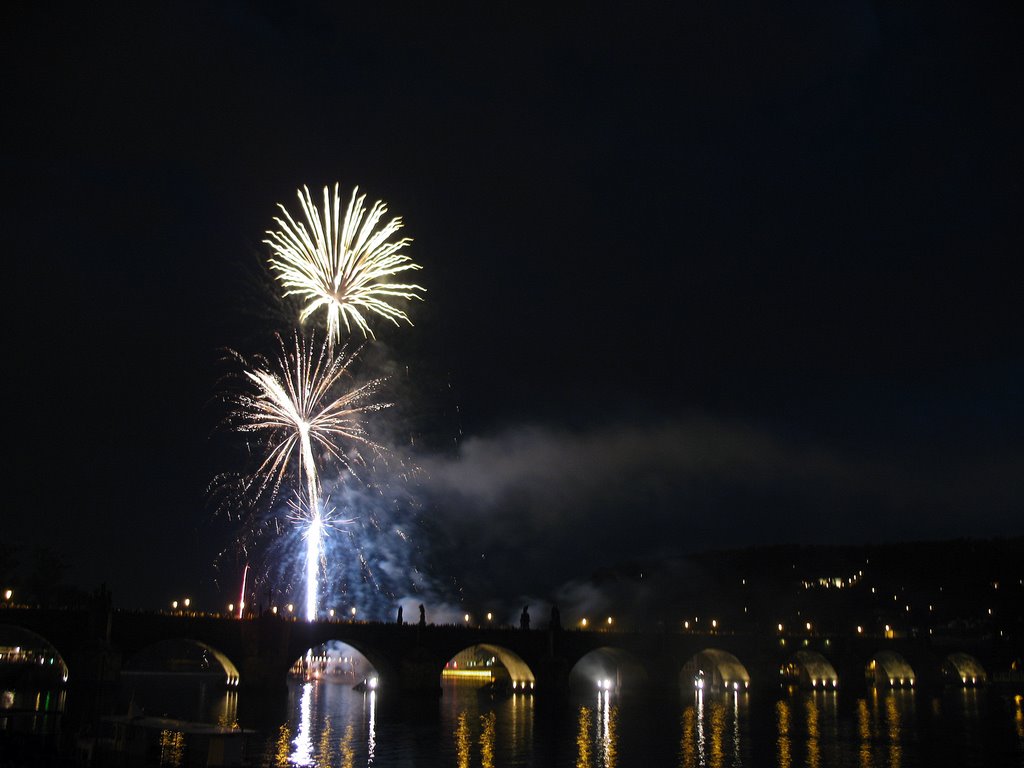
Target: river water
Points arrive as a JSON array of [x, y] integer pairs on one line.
[[330, 724]]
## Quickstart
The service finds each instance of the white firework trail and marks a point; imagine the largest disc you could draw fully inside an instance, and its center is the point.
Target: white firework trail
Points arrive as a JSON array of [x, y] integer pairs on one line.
[[301, 404]]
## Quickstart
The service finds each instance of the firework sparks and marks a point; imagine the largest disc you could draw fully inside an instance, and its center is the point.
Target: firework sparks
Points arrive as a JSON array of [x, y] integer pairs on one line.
[[342, 266], [298, 409]]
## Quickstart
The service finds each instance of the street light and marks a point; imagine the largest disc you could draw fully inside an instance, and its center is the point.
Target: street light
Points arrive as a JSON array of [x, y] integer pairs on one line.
[[188, 602], [583, 623], [8, 594]]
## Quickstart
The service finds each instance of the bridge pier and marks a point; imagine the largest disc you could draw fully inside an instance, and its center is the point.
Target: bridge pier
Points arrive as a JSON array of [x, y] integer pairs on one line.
[[265, 660], [419, 674]]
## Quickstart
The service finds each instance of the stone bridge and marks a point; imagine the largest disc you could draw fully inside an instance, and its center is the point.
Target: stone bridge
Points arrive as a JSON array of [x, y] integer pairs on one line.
[[257, 653]]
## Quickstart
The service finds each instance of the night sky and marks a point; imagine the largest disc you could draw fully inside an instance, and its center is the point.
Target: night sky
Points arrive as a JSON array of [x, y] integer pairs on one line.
[[698, 276]]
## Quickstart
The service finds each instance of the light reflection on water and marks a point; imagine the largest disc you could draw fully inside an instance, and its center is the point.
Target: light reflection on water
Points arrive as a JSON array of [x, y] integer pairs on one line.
[[597, 733], [714, 730], [31, 710], [330, 724]]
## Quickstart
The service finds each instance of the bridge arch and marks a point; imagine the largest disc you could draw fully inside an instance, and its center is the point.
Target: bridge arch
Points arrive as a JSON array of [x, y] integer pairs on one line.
[[809, 669], [714, 669], [888, 669], [493, 664], [340, 661], [183, 665], [26, 654], [608, 668], [963, 669]]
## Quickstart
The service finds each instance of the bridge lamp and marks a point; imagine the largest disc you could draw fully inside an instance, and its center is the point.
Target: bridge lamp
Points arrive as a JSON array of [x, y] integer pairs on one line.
[[188, 602], [291, 608], [274, 610], [331, 613], [353, 611], [231, 607], [609, 621], [860, 630], [686, 625], [466, 618], [174, 604], [489, 616], [714, 623], [8, 594], [583, 623]]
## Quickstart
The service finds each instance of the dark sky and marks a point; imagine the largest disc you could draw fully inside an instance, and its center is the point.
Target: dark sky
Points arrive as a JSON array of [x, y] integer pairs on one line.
[[698, 276]]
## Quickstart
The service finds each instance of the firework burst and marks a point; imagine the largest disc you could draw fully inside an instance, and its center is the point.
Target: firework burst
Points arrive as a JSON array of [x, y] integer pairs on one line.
[[300, 405], [342, 266]]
